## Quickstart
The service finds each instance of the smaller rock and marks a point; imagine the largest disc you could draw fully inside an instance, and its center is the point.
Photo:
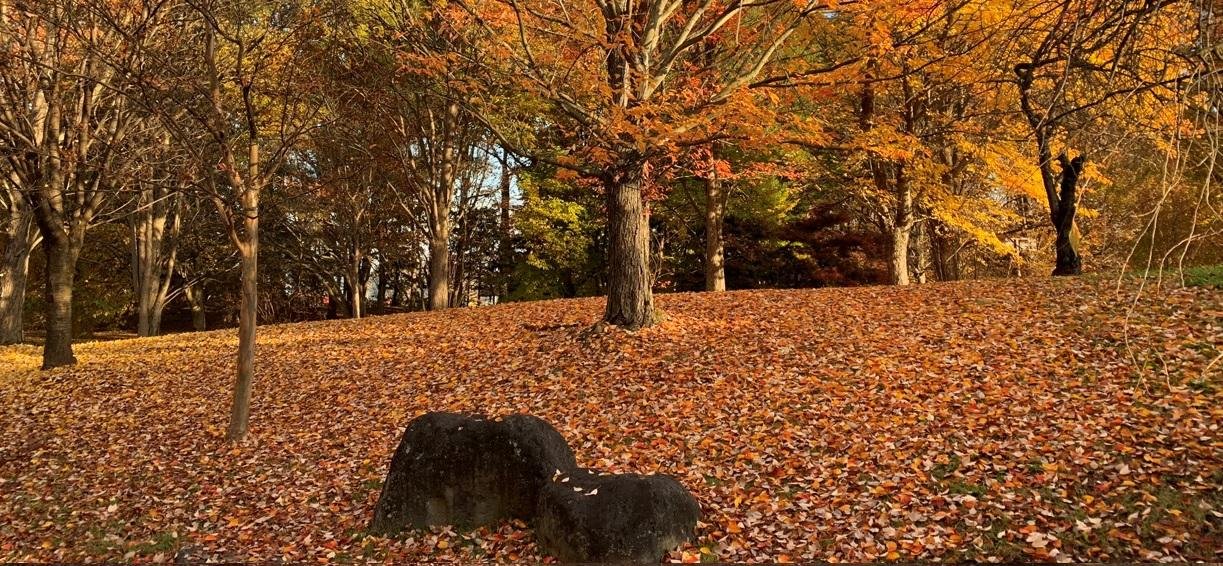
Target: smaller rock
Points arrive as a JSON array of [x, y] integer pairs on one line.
[[586, 517]]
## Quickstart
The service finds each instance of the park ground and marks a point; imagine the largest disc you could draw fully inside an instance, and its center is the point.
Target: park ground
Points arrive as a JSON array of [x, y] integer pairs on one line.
[[1032, 419]]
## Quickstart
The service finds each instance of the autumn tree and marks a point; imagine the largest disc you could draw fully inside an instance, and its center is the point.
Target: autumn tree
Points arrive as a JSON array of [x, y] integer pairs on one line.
[[424, 69], [631, 82], [63, 125], [919, 139], [233, 87], [1086, 62], [156, 224]]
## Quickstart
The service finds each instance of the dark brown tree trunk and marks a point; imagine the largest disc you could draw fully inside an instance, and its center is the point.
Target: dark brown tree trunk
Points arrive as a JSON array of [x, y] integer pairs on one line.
[[13, 276], [60, 275], [397, 291], [715, 216], [945, 260], [630, 299], [383, 287], [1069, 262]]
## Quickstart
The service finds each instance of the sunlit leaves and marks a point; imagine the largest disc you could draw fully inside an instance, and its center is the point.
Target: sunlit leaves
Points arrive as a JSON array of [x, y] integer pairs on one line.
[[964, 421]]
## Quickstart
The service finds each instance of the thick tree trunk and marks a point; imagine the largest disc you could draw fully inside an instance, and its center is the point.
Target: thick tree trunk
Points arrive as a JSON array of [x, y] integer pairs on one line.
[[13, 276], [715, 216], [630, 300], [1066, 247], [60, 275], [439, 263], [898, 267], [195, 297]]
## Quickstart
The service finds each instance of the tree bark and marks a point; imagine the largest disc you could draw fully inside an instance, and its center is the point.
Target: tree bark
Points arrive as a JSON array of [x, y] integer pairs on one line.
[[1066, 247], [715, 216], [239, 417], [1063, 206], [383, 287], [154, 251], [946, 260], [902, 229], [356, 287], [923, 240], [60, 274], [630, 299], [505, 245], [13, 275], [195, 297], [898, 268], [439, 262]]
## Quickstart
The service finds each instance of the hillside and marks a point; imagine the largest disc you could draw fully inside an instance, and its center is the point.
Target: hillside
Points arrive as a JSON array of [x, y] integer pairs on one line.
[[973, 420]]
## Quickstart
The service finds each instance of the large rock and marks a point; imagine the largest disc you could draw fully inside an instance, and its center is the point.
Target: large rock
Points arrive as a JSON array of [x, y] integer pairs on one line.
[[453, 469], [586, 517]]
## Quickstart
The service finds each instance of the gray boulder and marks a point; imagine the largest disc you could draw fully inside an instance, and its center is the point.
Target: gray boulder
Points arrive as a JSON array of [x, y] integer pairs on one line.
[[451, 469], [586, 517]]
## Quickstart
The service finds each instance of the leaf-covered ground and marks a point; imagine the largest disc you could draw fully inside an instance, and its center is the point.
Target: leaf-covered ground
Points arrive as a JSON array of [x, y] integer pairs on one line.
[[978, 420]]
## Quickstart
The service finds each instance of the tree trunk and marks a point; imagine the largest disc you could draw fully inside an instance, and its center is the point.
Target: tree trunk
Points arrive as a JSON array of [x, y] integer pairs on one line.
[[459, 284], [60, 275], [195, 297], [152, 264], [898, 268], [13, 274], [1069, 262], [715, 216], [902, 229], [239, 416], [921, 238], [383, 287], [397, 291], [630, 300], [439, 262], [945, 257], [505, 246], [356, 290]]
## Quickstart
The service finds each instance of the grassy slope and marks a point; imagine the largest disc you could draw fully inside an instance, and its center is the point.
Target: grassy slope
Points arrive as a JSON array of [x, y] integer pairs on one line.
[[945, 421]]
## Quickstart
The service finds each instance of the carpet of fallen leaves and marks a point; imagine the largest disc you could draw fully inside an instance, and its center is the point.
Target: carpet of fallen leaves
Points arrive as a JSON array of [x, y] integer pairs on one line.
[[1018, 420]]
